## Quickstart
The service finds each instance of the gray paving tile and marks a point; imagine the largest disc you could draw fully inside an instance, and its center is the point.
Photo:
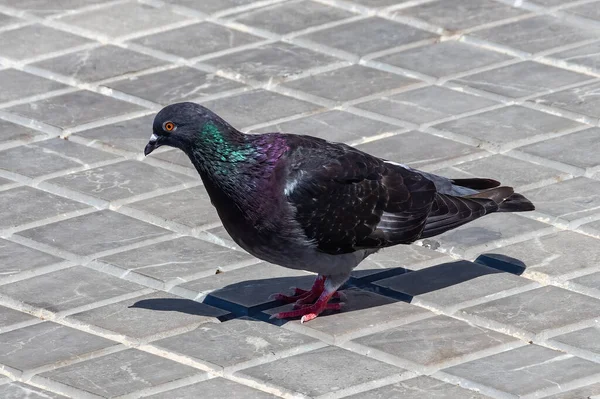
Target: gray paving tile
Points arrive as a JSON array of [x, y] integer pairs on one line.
[[444, 58], [176, 158], [452, 172], [591, 281], [150, 316], [337, 126], [6, 20], [522, 79], [109, 21], [461, 14], [539, 310], [245, 340], [505, 125], [531, 35], [35, 40], [18, 390], [95, 232], [42, 8], [257, 106], [587, 339], [190, 207], [379, 3], [137, 370], [582, 100], [219, 235], [99, 63], [24, 205], [366, 81], [289, 17], [249, 287], [592, 228], [4, 182], [273, 61], [16, 258], [362, 310], [68, 289], [572, 149], [555, 254], [130, 135], [315, 375], [417, 149], [120, 180], [174, 85], [198, 39], [399, 257], [46, 343], [426, 105], [551, 3], [488, 232], [589, 10], [216, 388], [585, 392], [568, 200], [454, 284], [74, 109], [50, 156], [17, 84], [211, 6], [10, 317], [178, 258], [510, 171], [587, 56], [357, 37], [417, 388], [525, 370], [83, 155], [11, 131], [434, 341]]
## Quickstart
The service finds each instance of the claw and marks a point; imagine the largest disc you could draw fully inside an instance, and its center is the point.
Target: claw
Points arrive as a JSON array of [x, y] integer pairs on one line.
[[302, 295], [309, 304], [308, 312], [329, 306], [278, 297]]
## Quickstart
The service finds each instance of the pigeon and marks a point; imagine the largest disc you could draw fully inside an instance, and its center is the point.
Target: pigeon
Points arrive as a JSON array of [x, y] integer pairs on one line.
[[306, 203]]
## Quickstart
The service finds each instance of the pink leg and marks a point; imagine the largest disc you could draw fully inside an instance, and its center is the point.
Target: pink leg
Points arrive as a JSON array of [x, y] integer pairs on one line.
[[300, 294], [302, 297], [311, 311]]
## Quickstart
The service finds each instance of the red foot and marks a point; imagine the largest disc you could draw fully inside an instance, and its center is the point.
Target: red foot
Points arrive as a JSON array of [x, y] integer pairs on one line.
[[308, 312], [299, 294], [303, 305], [303, 295]]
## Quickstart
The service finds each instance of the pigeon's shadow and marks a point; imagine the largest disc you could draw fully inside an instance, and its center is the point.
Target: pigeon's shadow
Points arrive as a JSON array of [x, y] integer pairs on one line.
[[251, 297]]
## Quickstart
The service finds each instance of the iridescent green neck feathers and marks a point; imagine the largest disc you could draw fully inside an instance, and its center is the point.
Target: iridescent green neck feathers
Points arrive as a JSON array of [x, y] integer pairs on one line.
[[224, 146]]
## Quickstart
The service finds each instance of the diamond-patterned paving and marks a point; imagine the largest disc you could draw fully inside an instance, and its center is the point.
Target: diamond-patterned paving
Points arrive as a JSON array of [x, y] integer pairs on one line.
[[117, 278]]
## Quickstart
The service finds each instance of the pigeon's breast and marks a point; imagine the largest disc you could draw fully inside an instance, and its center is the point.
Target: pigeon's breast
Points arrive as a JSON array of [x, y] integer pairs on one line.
[[286, 246]]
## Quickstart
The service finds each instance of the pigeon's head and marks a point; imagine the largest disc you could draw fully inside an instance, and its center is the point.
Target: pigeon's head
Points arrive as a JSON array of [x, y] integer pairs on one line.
[[179, 125]]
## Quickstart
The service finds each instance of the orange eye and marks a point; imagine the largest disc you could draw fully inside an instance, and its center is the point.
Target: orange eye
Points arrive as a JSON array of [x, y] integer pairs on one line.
[[168, 126]]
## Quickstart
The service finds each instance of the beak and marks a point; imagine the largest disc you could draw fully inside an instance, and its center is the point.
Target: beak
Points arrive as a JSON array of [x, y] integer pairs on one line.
[[152, 145]]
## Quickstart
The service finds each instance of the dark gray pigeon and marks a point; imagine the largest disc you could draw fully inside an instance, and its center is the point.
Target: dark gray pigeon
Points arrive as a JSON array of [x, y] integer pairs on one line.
[[306, 203]]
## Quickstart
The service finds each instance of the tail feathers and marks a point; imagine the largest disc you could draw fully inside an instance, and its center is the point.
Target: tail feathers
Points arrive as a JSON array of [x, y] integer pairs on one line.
[[448, 211], [476, 183], [497, 194], [516, 203], [506, 199]]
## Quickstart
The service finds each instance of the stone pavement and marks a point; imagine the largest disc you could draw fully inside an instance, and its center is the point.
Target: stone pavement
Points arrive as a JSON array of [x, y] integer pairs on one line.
[[117, 280]]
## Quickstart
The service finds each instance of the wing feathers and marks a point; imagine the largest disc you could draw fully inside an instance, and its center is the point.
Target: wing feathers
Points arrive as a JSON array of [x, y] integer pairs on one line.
[[450, 212], [345, 200]]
